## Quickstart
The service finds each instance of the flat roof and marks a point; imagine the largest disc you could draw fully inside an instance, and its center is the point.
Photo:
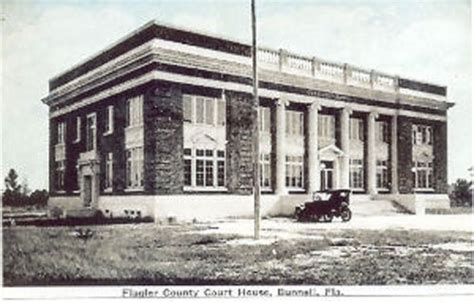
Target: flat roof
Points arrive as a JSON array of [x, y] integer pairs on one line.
[[154, 29]]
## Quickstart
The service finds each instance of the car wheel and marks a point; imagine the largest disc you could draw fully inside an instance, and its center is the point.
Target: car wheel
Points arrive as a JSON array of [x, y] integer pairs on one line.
[[346, 214], [314, 218], [297, 214], [328, 217]]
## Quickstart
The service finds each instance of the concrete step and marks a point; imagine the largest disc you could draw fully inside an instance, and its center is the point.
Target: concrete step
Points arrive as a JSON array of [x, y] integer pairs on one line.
[[375, 208], [359, 197], [81, 213], [360, 204]]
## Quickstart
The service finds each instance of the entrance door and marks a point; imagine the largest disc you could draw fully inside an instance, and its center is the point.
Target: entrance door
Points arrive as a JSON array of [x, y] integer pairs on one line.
[[327, 172], [87, 191]]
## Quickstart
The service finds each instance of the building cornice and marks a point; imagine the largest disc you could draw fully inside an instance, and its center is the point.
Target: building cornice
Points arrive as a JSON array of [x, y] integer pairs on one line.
[[152, 55], [158, 75], [282, 61]]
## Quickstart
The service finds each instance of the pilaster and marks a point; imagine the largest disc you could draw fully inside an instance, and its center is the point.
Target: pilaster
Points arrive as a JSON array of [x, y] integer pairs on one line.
[[280, 147], [313, 158], [394, 155], [371, 155], [345, 146]]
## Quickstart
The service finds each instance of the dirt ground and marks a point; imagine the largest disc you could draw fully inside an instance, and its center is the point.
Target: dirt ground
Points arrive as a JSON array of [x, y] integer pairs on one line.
[[397, 250], [288, 228]]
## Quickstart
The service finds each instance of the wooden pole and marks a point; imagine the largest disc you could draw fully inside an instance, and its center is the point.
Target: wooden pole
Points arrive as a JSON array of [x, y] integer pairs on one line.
[[256, 135]]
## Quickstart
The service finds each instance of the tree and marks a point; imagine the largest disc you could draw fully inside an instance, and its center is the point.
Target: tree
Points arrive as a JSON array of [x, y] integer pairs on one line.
[[462, 193], [12, 196], [21, 195], [11, 183], [39, 198]]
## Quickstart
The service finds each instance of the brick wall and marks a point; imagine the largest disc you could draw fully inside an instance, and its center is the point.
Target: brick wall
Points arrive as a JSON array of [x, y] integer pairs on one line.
[[239, 146], [405, 163], [440, 150], [72, 153], [405, 160], [163, 133], [273, 121], [114, 142], [52, 136], [164, 164]]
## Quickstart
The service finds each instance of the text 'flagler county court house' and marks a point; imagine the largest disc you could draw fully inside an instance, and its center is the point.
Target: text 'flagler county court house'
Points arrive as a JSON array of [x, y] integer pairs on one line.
[[160, 124]]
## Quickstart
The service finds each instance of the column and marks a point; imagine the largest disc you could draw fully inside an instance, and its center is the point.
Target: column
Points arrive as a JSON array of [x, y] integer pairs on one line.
[[313, 158], [345, 146], [280, 147], [371, 154], [394, 155]]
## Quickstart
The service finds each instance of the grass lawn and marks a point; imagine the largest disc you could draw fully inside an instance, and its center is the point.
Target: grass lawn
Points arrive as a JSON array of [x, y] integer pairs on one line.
[[156, 255]]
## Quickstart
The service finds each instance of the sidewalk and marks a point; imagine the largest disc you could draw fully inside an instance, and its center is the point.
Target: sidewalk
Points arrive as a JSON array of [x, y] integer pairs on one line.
[[288, 228]]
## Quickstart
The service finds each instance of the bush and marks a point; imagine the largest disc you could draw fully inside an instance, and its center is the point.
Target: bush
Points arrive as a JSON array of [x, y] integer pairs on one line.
[[56, 212], [14, 198], [462, 193], [39, 198]]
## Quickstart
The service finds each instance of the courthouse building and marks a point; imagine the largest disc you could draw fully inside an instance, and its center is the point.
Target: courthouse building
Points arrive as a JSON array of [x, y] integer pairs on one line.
[[160, 124]]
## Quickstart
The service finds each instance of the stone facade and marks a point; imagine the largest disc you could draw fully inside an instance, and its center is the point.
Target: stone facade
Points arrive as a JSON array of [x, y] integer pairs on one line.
[[405, 163], [440, 147], [164, 64], [239, 148], [164, 139]]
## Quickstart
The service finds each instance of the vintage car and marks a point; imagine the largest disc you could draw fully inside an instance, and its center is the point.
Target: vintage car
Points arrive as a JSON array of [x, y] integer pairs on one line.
[[325, 205]]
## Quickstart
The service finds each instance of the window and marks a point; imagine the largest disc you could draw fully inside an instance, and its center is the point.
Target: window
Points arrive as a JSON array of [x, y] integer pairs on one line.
[[294, 123], [188, 109], [75, 178], [356, 129], [209, 171], [109, 120], [423, 175], [265, 171], [294, 171], [78, 129], [221, 112], [61, 139], [294, 164], [109, 171], [134, 112], [356, 180], [210, 111], [382, 174], [187, 167], [204, 168], [200, 112], [91, 132], [264, 119], [60, 169], [326, 126], [134, 167], [203, 110], [422, 135], [220, 168], [382, 131]]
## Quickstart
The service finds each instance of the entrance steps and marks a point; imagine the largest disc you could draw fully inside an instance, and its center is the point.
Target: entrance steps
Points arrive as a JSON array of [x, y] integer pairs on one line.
[[361, 205], [81, 213], [367, 207]]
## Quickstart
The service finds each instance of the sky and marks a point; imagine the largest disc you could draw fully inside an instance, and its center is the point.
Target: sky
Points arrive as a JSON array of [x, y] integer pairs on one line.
[[423, 40]]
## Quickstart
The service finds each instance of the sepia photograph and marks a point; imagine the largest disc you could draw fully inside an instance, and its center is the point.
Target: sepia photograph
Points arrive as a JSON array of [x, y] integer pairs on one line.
[[236, 148]]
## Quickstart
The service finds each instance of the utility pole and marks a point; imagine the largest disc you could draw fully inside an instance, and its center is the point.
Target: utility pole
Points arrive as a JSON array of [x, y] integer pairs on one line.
[[256, 134]]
